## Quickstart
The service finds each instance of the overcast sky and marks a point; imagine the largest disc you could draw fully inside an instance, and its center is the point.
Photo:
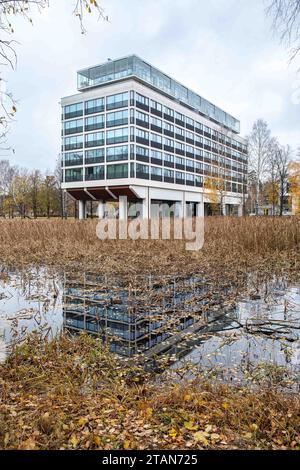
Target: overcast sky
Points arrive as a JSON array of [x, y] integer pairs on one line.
[[222, 49]]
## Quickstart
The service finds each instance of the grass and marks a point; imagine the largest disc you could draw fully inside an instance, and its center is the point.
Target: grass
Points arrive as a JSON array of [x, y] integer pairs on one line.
[[71, 394]]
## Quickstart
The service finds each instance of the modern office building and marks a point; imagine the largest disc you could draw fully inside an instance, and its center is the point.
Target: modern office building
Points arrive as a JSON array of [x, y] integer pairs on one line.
[[133, 134]]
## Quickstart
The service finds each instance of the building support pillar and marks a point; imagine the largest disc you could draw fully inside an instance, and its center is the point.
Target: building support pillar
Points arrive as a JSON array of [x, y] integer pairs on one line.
[[223, 208], [123, 209], [82, 210], [100, 210], [145, 207], [200, 209], [240, 210]]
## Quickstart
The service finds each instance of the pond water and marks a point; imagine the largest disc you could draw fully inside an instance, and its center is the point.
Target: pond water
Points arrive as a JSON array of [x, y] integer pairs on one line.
[[182, 318]]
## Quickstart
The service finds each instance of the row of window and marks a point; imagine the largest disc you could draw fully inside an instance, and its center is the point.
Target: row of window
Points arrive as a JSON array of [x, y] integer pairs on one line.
[[138, 170], [122, 100], [143, 154], [118, 118], [96, 106], [96, 139], [116, 136]]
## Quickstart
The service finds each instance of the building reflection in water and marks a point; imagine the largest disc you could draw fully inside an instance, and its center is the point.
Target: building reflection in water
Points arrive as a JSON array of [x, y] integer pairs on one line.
[[135, 315]]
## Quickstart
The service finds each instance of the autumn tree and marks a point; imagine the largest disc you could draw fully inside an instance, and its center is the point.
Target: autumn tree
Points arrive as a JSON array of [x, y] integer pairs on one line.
[[216, 191], [271, 193], [294, 186], [35, 184]]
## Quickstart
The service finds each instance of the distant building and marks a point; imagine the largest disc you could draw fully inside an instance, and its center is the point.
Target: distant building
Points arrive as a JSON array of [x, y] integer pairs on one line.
[[133, 134]]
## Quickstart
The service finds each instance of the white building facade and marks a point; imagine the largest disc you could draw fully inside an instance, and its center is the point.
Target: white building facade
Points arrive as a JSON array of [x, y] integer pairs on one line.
[[134, 135]]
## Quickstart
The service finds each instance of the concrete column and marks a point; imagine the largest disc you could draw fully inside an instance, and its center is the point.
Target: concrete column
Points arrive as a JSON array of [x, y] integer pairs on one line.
[[81, 210], [200, 209], [146, 214], [123, 210], [240, 210], [223, 208], [100, 210]]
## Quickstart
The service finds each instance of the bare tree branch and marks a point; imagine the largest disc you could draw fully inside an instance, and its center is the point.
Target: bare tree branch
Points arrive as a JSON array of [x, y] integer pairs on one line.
[[286, 23]]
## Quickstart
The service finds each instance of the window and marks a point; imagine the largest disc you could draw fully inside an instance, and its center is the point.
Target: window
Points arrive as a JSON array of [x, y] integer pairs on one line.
[[168, 113], [94, 173], [198, 127], [142, 154], [94, 106], [94, 156], [180, 133], [190, 179], [94, 140], [179, 162], [156, 107], [156, 122], [156, 157], [117, 153], [73, 110], [180, 177], [73, 143], [179, 118], [117, 171], [198, 167], [189, 165], [168, 127], [169, 159], [168, 176], [73, 158], [140, 99], [117, 101], [198, 140], [94, 123], [198, 154], [117, 136], [119, 118], [189, 123], [199, 180], [156, 173], [142, 171], [73, 127], [73, 174], [142, 117], [180, 148], [189, 136], [169, 143], [142, 136], [189, 151], [156, 138]]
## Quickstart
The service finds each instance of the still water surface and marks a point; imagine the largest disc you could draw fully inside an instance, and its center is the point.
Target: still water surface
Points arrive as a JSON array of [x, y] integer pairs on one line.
[[155, 316]]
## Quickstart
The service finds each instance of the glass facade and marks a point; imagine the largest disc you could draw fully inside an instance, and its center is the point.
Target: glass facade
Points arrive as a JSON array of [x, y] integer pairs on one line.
[[134, 66], [161, 144]]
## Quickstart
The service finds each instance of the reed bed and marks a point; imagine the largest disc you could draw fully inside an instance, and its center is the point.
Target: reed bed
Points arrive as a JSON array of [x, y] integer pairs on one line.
[[69, 243]]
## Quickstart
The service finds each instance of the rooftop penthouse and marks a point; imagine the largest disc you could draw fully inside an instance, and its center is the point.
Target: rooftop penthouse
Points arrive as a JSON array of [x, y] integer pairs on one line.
[[133, 66]]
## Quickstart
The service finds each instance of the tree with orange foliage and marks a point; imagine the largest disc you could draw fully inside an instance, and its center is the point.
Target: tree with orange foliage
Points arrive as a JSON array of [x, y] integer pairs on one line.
[[294, 186], [216, 192]]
